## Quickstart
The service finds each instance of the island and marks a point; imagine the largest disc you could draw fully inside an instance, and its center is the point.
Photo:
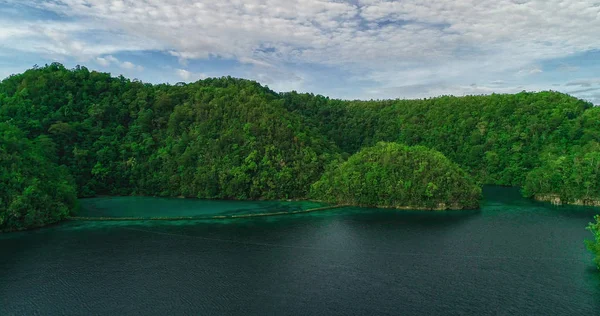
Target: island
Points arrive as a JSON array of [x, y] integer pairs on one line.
[[392, 175]]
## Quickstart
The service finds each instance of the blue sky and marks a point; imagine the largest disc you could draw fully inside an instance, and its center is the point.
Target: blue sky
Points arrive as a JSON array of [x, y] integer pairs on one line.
[[365, 49]]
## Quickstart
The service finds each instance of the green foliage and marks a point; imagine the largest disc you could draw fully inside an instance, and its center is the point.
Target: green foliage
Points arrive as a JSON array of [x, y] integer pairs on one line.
[[574, 177], [232, 138], [395, 175], [571, 174], [496, 138], [594, 245], [34, 191], [216, 138]]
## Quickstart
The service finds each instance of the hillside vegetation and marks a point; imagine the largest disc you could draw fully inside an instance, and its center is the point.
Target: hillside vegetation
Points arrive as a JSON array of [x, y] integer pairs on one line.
[[34, 191], [392, 175], [235, 139], [217, 138], [594, 245], [496, 138]]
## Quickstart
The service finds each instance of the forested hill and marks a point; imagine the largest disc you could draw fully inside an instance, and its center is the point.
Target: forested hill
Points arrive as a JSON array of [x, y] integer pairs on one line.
[[393, 175], [546, 142], [217, 138], [497, 138], [233, 138]]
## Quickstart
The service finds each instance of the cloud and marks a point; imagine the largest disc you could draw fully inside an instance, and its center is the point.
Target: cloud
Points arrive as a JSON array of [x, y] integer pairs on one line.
[[334, 32], [127, 65], [444, 88], [188, 76], [583, 90], [183, 74], [252, 61], [567, 68], [586, 83], [389, 43], [102, 61], [594, 98], [535, 71], [531, 70], [111, 60], [581, 84]]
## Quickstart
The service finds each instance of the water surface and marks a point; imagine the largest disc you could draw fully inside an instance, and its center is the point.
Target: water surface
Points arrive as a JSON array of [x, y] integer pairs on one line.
[[146, 207], [513, 257]]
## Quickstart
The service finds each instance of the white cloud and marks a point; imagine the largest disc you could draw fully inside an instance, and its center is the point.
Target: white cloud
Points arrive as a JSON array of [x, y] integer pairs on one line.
[[112, 60], [390, 42], [530, 70], [535, 71], [183, 74], [187, 76], [127, 65], [102, 61], [230, 28]]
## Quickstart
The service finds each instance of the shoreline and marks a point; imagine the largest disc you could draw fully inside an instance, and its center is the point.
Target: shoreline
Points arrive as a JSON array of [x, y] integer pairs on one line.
[[192, 218], [555, 199], [440, 208]]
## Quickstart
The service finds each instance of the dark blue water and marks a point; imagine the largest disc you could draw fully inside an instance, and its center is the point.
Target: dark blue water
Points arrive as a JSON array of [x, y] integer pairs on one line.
[[514, 257]]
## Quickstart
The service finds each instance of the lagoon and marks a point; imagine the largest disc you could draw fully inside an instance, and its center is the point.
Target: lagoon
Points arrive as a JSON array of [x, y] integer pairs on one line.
[[513, 257]]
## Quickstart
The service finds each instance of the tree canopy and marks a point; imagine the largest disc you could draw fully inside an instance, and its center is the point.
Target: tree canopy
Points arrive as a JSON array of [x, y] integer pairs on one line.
[[594, 245], [570, 174], [497, 138], [216, 138], [34, 191], [398, 176], [231, 138]]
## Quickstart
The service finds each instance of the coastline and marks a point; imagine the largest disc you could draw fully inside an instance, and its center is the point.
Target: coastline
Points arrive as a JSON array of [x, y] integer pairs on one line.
[[439, 208], [555, 199]]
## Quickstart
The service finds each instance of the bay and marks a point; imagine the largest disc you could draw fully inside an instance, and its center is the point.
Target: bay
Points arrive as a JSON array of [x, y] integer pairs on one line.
[[513, 257]]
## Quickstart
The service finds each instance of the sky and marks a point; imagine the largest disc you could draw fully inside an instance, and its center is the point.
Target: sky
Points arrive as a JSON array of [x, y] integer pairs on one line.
[[349, 49]]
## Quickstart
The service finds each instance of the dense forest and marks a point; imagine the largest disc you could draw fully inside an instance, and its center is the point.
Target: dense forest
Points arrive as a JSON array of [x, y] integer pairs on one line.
[[231, 138], [393, 175], [35, 191], [497, 138], [217, 138]]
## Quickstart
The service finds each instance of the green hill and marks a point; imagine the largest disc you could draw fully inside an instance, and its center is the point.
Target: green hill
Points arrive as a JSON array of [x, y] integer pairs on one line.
[[217, 138], [392, 175], [496, 138], [231, 138]]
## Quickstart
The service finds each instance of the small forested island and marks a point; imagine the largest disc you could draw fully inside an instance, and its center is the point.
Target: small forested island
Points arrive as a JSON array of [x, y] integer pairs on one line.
[[392, 175], [72, 133]]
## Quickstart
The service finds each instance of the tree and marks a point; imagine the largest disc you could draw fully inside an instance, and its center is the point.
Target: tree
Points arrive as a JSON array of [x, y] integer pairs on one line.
[[594, 245], [34, 190], [398, 176]]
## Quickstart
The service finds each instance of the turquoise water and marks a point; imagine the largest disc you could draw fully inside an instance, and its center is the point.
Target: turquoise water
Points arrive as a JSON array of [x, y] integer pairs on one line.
[[513, 257], [172, 207]]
